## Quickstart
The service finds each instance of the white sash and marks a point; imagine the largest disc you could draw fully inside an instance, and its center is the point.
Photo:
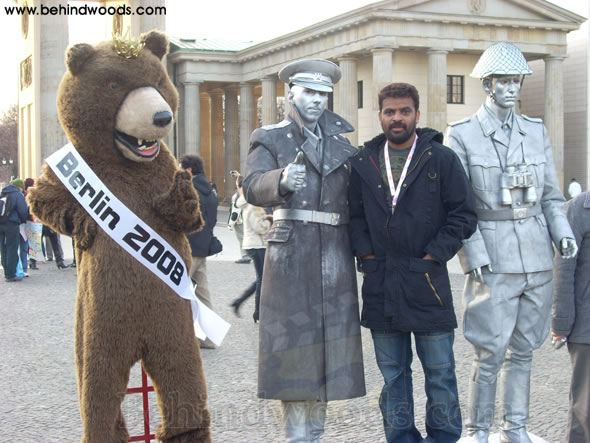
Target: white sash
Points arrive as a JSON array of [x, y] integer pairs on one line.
[[134, 236]]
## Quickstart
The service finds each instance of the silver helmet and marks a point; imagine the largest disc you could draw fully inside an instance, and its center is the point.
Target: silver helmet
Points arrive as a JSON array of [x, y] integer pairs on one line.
[[501, 59]]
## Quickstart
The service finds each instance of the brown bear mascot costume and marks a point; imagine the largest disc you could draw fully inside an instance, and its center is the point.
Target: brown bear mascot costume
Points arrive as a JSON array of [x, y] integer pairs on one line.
[[116, 103]]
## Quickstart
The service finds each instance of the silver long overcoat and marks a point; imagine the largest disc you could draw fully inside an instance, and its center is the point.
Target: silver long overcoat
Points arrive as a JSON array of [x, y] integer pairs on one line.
[[510, 246], [310, 344]]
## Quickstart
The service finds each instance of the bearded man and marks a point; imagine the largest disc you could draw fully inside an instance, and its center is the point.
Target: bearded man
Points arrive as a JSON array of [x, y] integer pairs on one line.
[[411, 206]]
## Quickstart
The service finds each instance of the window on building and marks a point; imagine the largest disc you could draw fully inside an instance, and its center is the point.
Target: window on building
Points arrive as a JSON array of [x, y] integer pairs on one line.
[[359, 87], [455, 89]]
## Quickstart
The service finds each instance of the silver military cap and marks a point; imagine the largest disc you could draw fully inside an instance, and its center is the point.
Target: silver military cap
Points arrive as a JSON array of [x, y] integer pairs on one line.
[[501, 59], [315, 73]]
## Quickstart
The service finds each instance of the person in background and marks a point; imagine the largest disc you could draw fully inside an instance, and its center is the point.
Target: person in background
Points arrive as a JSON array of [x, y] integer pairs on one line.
[[201, 241], [23, 249], [256, 224], [9, 231], [571, 317], [53, 237], [235, 222], [574, 188]]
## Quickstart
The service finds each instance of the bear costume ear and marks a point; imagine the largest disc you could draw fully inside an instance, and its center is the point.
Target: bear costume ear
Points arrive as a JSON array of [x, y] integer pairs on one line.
[[157, 42], [77, 55]]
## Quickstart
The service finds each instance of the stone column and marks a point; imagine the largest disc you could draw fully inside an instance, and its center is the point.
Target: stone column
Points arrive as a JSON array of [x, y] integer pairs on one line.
[[382, 76], [147, 22], [176, 143], [269, 100], [436, 117], [217, 154], [54, 41], [206, 134], [247, 121], [232, 144], [192, 119], [554, 111], [348, 96]]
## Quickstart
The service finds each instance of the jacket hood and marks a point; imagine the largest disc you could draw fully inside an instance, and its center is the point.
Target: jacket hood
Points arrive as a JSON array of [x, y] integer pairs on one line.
[[425, 136], [202, 184], [9, 189]]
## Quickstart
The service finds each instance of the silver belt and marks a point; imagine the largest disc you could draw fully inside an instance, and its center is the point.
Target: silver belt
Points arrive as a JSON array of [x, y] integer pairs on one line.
[[508, 214], [306, 215]]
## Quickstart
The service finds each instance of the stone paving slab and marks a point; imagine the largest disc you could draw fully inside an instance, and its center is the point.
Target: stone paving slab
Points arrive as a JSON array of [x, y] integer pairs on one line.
[[38, 383]]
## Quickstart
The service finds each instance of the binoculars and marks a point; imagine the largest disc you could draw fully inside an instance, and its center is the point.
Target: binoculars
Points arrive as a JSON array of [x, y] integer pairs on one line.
[[517, 177]]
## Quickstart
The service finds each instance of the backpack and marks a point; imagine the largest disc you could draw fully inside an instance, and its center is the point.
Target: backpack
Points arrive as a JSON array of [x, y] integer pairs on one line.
[[4, 207]]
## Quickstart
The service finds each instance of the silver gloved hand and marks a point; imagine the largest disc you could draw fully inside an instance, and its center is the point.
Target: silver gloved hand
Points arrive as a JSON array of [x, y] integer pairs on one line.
[[293, 176], [477, 275], [568, 247]]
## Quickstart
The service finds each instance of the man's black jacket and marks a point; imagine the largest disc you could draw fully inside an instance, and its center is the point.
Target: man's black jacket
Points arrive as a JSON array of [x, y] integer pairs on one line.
[[434, 213]]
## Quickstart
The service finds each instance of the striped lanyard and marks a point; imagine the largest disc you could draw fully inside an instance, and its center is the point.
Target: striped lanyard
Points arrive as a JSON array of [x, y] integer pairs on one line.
[[395, 192]]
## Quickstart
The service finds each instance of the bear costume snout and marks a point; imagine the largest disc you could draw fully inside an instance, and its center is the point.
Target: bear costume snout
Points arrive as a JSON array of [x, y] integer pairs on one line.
[[143, 119]]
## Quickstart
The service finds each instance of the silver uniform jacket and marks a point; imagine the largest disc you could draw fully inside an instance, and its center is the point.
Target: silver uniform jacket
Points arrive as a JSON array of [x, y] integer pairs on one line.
[[519, 245]]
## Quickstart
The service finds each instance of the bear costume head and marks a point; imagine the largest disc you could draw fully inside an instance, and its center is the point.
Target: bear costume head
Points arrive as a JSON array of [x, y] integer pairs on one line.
[[129, 99]]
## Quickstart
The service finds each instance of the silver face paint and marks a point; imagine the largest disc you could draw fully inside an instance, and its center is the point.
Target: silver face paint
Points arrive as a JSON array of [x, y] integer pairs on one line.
[[310, 104], [506, 90]]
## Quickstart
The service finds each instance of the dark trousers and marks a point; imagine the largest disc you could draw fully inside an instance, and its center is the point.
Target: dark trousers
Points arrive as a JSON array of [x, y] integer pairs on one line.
[[578, 427], [55, 243], [257, 256], [9, 243]]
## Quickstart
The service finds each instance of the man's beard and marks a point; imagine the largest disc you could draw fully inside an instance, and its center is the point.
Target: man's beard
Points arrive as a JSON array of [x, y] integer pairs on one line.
[[402, 137]]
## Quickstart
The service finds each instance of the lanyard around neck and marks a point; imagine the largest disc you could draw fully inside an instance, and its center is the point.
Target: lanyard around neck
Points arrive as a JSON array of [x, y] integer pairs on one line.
[[395, 191]]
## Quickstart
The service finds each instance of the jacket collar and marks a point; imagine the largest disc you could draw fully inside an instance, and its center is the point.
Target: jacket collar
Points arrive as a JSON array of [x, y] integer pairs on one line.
[[336, 151], [367, 163], [491, 127]]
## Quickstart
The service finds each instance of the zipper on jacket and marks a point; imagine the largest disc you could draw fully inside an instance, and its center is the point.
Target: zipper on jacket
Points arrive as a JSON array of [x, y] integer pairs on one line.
[[433, 288], [419, 158]]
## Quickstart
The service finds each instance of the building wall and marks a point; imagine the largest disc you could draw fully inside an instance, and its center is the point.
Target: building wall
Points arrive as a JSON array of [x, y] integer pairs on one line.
[[576, 100]]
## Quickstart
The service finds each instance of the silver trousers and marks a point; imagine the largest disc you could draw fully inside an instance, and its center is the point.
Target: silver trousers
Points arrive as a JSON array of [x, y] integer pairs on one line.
[[504, 319], [304, 420]]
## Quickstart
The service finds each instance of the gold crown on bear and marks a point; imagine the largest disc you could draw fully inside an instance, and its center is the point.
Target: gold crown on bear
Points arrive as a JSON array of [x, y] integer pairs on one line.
[[126, 46]]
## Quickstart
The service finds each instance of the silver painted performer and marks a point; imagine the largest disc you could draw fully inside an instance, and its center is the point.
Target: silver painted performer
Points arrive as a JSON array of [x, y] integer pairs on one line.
[[507, 294], [310, 344]]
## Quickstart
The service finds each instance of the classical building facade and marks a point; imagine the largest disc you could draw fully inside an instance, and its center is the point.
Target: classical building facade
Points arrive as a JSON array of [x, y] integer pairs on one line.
[[576, 96], [432, 44]]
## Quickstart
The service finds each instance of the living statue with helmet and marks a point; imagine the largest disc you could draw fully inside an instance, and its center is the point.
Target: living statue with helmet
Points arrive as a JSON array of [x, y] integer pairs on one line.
[[508, 260]]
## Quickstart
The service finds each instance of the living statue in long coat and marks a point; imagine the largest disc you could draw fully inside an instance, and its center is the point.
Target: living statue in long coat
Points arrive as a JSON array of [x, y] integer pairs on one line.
[[507, 296], [310, 345]]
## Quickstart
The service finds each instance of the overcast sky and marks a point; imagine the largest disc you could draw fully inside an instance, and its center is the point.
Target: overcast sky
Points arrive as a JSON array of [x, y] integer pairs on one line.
[[256, 20]]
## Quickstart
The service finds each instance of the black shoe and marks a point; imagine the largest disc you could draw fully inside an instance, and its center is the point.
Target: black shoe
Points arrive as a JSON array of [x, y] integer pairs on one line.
[[61, 265], [33, 265], [13, 279], [236, 305], [243, 260], [255, 317], [73, 265]]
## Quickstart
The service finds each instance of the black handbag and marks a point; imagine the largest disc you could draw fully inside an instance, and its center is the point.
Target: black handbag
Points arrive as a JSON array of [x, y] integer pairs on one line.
[[215, 247]]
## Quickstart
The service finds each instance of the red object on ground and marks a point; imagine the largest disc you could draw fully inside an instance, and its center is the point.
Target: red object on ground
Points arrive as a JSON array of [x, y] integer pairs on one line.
[[143, 390]]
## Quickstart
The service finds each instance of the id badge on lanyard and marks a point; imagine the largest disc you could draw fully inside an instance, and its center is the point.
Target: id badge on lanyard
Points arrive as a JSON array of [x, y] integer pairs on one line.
[[395, 191]]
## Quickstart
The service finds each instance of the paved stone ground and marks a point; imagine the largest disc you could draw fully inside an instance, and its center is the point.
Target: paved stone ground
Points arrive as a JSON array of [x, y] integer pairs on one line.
[[38, 383]]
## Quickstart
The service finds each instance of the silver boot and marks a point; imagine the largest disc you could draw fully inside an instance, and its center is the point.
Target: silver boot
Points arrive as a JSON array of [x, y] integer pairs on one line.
[[515, 378], [480, 411]]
